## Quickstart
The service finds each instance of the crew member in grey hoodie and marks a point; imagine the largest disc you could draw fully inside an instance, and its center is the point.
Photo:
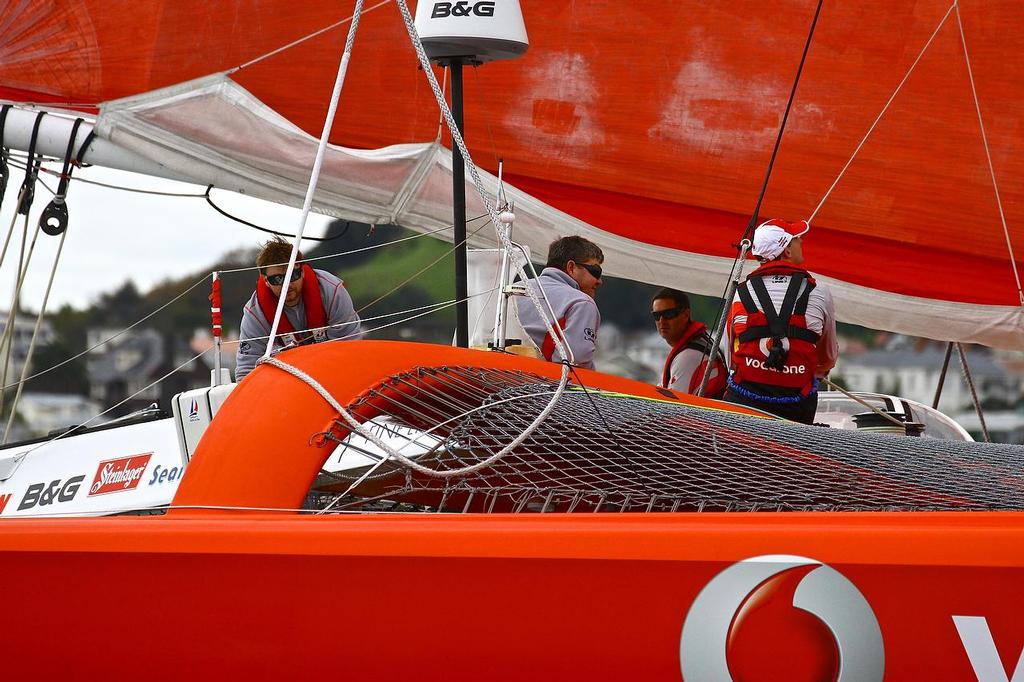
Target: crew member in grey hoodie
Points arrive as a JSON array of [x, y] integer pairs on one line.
[[569, 281]]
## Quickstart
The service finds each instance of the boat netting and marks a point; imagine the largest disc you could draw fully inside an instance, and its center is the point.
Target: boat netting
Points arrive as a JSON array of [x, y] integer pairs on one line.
[[610, 452]]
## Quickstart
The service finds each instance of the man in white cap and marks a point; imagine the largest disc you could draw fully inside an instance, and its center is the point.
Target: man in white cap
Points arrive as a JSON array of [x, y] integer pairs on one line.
[[782, 328]]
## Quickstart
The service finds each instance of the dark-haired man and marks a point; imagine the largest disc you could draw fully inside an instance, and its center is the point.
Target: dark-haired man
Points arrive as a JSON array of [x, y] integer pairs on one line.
[[316, 307], [691, 346], [782, 327], [569, 281]]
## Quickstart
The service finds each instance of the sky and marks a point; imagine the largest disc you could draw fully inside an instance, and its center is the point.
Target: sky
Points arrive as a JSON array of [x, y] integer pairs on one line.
[[114, 236]]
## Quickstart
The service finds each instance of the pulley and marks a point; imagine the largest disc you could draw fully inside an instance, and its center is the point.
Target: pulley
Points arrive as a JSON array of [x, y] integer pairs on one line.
[[54, 218]]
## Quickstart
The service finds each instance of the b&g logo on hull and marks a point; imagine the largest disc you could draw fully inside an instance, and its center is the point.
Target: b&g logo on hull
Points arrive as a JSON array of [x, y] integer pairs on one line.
[[781, 617]]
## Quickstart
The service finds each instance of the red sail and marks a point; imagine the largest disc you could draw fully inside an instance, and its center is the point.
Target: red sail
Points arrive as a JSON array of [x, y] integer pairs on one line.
[[646, 119]]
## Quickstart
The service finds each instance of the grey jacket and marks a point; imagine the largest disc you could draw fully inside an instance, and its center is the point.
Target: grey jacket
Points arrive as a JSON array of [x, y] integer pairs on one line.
[[255, 327], [576, 312]]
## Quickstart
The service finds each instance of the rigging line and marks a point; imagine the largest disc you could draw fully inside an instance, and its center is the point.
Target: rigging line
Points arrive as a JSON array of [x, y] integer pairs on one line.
[[440, 116], [250, 268], [735, 272], [123, 188], [988, 154], [458, 140], [782, 128], [12, 316], [22, 157], [84, 424], [882, 112], [318, 160], [305, 38], [966, 372], [433, 307], [10, 230], [35, 334], [111, 338], [425, 268], [436, 308], [752, 223], [487, 122], [597, 409]]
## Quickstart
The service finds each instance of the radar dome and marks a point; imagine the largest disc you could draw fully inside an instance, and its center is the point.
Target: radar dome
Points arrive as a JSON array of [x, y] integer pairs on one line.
[[475, 31]]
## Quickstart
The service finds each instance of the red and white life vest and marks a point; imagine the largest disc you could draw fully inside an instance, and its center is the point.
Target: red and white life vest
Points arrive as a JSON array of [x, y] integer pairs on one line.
[[696, 337], [791, 366], [313, 303]]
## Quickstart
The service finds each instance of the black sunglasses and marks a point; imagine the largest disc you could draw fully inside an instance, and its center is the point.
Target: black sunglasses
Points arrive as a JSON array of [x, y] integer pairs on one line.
[[594, 270], [670, 314], [278, 280]]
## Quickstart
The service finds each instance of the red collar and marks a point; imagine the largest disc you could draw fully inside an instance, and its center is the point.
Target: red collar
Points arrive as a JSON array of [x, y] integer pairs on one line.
[[313, 302], [692, 330]]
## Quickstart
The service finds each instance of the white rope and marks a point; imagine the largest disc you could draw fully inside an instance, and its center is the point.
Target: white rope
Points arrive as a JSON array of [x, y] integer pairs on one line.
[[10, 230], [35, 334], [474, 173], [310, 36], [440, 115], [314, 177], [7, 344], [882, 112], [429, 432], [988, 157], [392, 453]]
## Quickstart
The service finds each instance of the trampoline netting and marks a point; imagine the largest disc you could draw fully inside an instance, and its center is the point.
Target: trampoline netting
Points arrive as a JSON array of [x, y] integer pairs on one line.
[[611, 452]]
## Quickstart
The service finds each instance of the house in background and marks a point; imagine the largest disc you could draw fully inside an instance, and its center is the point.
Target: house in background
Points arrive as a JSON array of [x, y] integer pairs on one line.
[[43, 413], [24, 327], [126, 366], [915, 375]]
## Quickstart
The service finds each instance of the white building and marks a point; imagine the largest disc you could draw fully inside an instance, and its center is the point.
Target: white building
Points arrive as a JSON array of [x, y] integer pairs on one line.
[[915, 375], [24, 327], [46, 412]]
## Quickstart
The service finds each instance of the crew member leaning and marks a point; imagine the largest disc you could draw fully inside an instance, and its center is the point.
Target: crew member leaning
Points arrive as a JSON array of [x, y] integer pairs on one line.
[[782, 328], [569, 281], [315, 303], [690, 345]]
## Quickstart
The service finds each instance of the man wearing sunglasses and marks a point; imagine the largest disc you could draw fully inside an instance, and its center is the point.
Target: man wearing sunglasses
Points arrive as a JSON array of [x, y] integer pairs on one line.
[[782, 328], [316, 307], [691, 346], [569, 281]]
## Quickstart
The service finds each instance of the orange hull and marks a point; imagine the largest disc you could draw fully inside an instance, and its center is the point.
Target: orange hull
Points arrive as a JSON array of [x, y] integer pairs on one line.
[[597, 597], [210, 593]]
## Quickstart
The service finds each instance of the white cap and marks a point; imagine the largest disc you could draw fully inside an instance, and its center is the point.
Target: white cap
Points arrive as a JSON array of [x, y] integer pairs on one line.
[[773, 236]]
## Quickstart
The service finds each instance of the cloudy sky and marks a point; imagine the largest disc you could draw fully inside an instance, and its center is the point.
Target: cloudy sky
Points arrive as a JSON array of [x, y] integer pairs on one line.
[[114, 236]]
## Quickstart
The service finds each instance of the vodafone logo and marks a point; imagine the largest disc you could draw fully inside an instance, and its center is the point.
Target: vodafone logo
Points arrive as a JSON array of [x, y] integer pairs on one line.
[[781, 618]]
